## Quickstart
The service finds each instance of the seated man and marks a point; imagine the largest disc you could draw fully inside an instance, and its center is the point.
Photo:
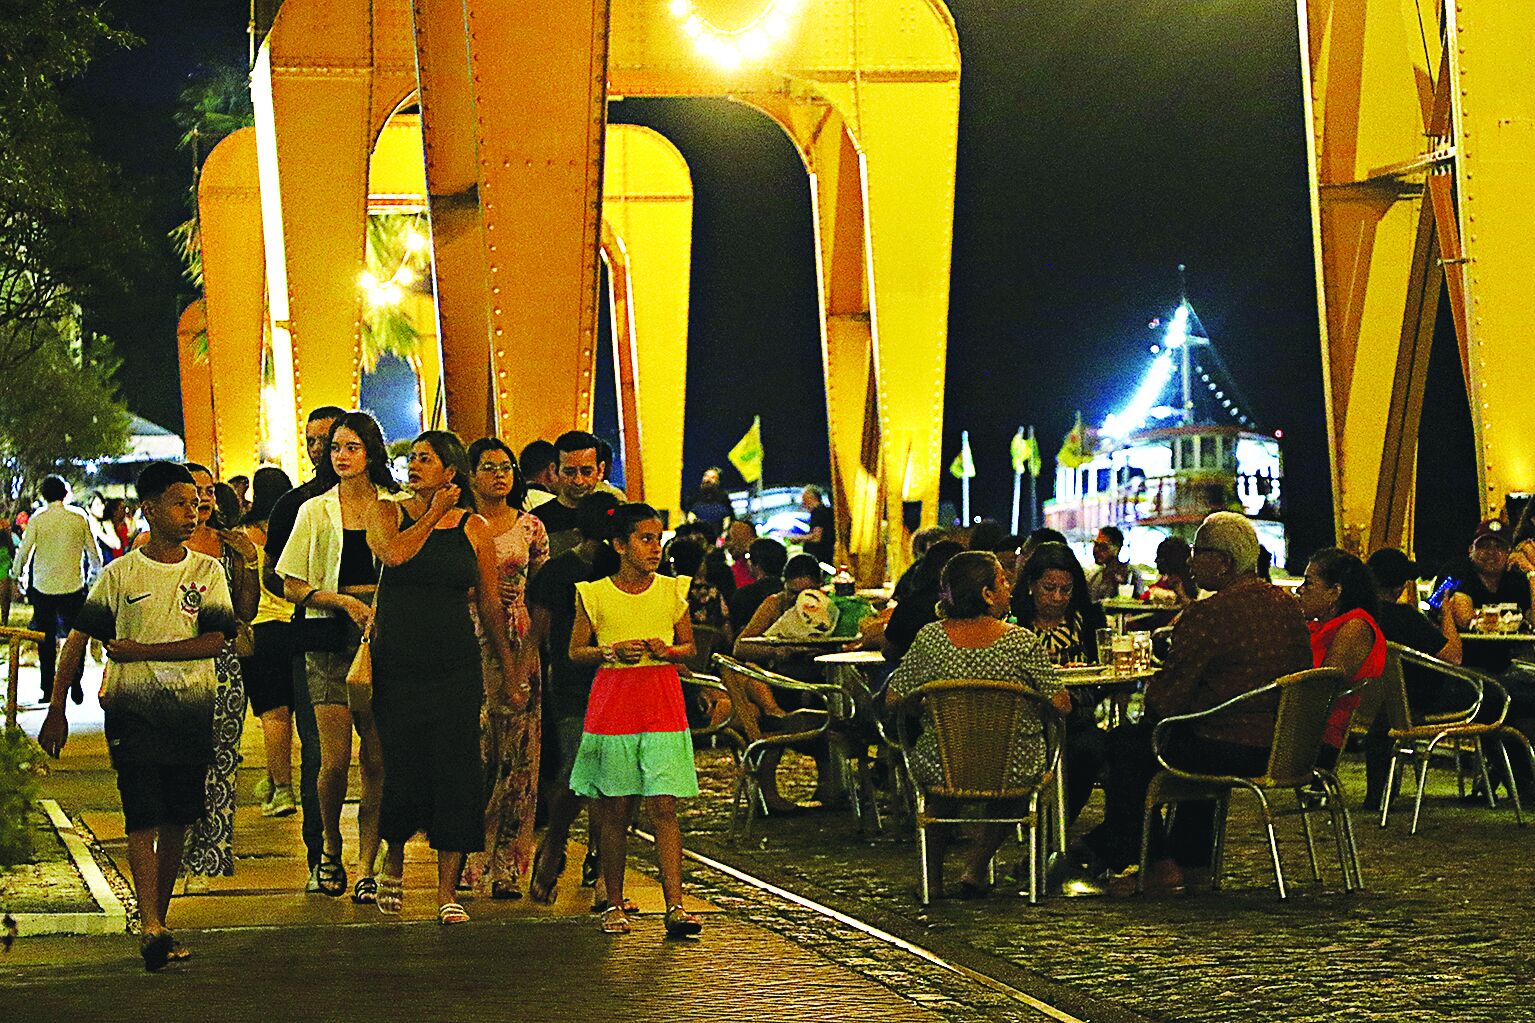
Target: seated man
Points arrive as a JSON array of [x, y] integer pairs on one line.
[[1486, 578], [1108, 573], [1244, 636], [1396, 580], [766, 558]]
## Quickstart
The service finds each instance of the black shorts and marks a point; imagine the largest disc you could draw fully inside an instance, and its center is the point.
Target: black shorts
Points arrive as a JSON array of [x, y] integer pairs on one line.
[[268, 673], [161, 794]]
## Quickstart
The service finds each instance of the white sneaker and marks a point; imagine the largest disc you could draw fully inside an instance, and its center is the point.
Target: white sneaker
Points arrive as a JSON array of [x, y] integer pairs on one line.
[[281, 804], [312, 886], [264, 789]]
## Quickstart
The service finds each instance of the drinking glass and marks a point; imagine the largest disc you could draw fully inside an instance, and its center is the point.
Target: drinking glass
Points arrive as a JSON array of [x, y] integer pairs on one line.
[[1123, 646], [1141, 644], [1105, 639]]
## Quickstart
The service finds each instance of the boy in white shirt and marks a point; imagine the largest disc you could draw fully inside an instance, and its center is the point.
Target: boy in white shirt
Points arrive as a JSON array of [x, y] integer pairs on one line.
[[163, 612]]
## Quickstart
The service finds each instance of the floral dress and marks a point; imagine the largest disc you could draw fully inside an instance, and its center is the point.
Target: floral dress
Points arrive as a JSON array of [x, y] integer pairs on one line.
[[210, 842], [510, 738]]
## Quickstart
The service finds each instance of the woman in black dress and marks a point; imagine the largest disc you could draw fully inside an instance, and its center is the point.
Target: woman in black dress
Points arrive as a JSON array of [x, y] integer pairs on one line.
[[427, 680]]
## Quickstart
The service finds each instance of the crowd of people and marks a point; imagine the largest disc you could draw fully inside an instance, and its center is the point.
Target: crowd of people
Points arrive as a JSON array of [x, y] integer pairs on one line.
[[504, 636]]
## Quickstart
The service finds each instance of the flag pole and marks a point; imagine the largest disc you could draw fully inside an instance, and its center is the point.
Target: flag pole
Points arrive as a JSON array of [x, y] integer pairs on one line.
[[1033, 484], [1017, 491], [964, 482]]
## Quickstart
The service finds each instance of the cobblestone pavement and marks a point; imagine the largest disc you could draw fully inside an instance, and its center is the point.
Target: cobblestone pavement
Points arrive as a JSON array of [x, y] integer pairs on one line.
[[1441, 932]]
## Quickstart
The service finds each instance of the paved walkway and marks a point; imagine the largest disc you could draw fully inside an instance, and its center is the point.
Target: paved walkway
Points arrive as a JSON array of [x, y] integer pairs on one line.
[[263, 950]]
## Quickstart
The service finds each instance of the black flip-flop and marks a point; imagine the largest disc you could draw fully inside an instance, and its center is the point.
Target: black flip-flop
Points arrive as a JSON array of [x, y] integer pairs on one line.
[[157, 951]]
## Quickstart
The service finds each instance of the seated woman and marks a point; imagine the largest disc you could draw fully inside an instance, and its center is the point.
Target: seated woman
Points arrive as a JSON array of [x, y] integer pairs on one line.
[[1175, 579], [919, 606], [1339, 601], [1052, 602], [971, 641], [1051, 599]]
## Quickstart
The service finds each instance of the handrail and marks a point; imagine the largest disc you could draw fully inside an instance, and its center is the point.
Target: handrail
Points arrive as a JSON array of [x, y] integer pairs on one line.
[[14, 636]]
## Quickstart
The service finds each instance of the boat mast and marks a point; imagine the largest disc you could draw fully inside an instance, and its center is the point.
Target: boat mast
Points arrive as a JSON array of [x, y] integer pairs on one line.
[[1183, 355]]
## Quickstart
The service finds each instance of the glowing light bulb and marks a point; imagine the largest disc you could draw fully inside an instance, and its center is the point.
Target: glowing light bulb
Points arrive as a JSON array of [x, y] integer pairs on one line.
[[681, 8], [366, 281], [415, 242], [693, 28], [404, 276]]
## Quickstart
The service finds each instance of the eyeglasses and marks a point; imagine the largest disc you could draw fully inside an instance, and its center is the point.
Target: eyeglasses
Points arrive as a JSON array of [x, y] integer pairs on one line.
[[496, 468]]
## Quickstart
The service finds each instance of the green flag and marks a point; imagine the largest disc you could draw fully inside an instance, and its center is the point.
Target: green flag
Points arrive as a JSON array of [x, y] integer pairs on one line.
[[746, 456], [963, 466], [1025, 452]]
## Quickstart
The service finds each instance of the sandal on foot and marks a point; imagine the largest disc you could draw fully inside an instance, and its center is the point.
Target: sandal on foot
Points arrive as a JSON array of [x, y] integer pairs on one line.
[[330, 874], [538, 890], [682, 924], [178, 952], [365, 892], [614, 921], [390, 894], [628, 906], [156, 951], [452, 913]]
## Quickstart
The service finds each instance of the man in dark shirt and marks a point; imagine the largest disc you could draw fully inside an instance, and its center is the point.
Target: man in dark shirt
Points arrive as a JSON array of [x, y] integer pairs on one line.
[[822, 539], [581, 469], [766, 558], [552, 608], [1485, 579], [279, 528], [540, 466], [1396, 580], [1244, 636]]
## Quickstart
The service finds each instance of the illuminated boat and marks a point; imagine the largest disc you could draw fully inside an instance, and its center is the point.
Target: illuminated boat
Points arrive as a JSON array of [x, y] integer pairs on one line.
[[1183, 446]]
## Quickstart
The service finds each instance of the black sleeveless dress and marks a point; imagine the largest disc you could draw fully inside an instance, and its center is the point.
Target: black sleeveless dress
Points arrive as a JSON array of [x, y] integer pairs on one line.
[[427, 689]]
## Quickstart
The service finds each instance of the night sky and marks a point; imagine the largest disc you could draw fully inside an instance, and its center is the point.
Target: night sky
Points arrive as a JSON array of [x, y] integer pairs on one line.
[[1101, 144]]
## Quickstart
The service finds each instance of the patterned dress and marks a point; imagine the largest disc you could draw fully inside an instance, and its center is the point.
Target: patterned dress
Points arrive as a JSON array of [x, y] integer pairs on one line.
[[210, 842], [1016, 656], [510, 738]]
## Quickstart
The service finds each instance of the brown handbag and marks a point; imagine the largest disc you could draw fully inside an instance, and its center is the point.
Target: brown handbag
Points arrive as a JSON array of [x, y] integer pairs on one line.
[[361, 671]]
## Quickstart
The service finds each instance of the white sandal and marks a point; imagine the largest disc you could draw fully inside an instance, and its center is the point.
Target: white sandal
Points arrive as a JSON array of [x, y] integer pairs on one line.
[[452, 913]]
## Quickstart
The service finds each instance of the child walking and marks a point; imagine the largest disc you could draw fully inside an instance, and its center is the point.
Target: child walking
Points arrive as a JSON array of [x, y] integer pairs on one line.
[[164, 613], [634, 628]]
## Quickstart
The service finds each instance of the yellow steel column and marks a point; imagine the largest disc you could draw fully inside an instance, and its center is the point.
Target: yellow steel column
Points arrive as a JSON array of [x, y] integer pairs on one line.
[[1369, 97], [196, 384], [229, 208], [460, 261], [321, 67], [1494, 65], [648, 204], [540, 97], [625, 360]]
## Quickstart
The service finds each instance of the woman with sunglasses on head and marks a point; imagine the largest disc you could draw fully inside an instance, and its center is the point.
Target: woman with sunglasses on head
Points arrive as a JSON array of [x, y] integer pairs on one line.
[[510, 739], [330, 572], [428, 682]]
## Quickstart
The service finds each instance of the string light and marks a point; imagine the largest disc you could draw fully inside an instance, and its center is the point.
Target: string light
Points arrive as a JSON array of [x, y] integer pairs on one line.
[[730, 48]]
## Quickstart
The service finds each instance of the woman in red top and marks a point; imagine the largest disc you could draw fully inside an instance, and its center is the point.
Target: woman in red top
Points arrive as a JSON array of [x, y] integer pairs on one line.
[[1338, 598]]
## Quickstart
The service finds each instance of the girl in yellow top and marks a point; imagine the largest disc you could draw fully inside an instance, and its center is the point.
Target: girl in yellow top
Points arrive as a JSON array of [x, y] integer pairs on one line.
[[634, 628]]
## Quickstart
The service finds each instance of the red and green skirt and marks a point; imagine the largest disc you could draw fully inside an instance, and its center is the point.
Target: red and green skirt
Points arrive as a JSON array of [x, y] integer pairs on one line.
[[635, 740]]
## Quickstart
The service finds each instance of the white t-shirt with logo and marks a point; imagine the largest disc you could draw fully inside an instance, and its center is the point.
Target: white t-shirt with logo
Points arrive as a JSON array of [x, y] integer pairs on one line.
[[159, 711]]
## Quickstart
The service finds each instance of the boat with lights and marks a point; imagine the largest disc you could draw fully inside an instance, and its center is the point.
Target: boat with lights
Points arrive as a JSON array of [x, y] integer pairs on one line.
[[1185, 445]]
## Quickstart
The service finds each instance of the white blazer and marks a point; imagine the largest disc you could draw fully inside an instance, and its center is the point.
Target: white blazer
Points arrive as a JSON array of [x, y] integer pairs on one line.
[[313, 550]]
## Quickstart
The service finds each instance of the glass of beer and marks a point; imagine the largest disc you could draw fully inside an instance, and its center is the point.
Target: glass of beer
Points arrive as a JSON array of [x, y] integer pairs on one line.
[[1141, 642], [1124, 654], [1105, 639]]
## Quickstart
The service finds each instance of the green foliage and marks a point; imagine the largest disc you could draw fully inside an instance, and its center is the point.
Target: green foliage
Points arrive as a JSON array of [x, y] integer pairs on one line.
[[22, 763], [217, 103], [66, 231], [63, 408], [387, 328]]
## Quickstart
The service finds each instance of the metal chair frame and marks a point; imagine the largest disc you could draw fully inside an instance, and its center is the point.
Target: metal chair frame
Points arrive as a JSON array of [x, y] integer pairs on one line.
[[1298, 728], [1417, 741], [994, 788], [748, 789]]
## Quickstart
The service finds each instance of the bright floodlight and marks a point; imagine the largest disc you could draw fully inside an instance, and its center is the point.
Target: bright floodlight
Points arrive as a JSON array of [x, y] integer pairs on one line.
[[730, 47], [1133, 415]]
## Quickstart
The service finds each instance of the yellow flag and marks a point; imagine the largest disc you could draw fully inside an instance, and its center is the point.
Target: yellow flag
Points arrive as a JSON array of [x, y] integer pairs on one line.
[[746, 456], [963, 466], [1074, 450]]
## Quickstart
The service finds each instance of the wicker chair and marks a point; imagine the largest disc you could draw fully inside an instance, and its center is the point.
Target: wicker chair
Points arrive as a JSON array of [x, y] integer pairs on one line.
[[1306, 699], [805, 727], [1416, 739], [977, 722]]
